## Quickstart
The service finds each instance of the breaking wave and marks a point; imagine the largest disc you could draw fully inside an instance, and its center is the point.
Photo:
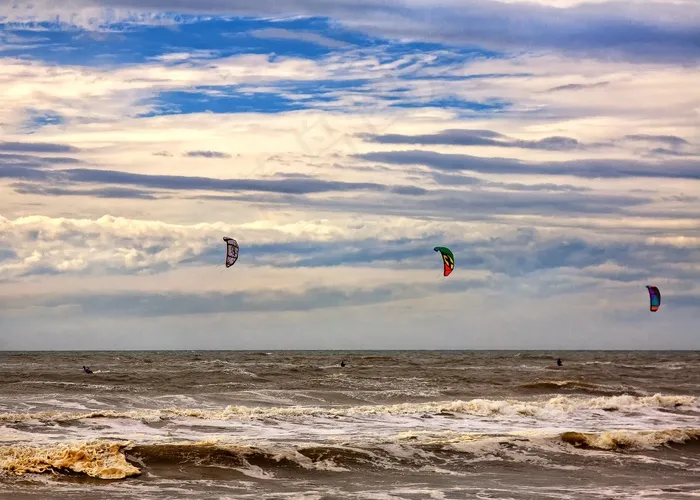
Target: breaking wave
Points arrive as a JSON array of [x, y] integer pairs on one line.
[[477, 407], [100, 459], [119, 460], [621, 440]]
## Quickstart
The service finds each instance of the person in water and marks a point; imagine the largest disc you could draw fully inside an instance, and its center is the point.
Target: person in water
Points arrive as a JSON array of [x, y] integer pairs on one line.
[[558, 362], [86, 369], [342, 364]]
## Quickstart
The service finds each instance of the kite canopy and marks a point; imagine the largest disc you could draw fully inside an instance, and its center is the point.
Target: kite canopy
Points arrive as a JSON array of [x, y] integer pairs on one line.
[[447, 258], [654, 298], [231, 251]]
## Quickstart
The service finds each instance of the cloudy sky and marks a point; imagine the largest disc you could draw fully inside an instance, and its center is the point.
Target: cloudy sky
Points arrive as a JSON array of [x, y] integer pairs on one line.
[[553, 145]]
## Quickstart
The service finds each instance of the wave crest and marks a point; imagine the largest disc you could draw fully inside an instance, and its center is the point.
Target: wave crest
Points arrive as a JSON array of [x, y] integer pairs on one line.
[[621, 440], [477, 407], [100, 459], [115, 460]]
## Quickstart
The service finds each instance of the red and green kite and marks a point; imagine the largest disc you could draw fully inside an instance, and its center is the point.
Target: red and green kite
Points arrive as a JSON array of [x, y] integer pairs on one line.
[[447, 258]]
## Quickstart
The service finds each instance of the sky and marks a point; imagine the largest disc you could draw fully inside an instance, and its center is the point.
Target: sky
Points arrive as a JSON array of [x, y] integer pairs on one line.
[[552, 145]]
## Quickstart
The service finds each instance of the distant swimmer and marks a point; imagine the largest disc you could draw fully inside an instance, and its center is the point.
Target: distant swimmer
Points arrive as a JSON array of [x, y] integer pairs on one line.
[[86, 369], [558, 362], [342, 364]]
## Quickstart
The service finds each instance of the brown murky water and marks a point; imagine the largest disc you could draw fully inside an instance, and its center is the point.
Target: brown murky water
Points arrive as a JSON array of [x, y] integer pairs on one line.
[[389, 425]]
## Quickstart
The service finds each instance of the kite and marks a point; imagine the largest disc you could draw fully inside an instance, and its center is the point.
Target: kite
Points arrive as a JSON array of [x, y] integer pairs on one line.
[[231, 251], [654, 298], [447, 258]]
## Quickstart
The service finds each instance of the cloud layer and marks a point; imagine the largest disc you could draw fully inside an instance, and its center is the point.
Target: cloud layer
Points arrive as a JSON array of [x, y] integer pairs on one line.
[[646, 30], [552, 145]]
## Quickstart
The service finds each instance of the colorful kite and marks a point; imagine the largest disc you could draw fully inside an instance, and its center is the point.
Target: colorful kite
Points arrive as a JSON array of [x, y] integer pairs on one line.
[[654, 298], [231, 251], [447, 258]]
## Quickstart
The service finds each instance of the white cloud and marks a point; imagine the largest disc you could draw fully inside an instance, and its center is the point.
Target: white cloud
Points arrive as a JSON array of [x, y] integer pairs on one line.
[[636, 99], [97, 94], [117, 243]]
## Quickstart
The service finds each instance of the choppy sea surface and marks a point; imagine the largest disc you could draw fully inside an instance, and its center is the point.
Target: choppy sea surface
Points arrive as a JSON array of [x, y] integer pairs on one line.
[[388, 425]]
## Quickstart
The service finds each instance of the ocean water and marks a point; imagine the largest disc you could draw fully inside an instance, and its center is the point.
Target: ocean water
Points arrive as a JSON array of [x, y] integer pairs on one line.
[[389, 425]]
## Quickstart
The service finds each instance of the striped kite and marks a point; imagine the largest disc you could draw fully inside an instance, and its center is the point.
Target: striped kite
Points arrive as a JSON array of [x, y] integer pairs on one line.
[[231, 251]]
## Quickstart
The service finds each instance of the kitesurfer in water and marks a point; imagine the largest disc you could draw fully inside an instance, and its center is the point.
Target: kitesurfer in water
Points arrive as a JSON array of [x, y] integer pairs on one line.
[[86, 369], [558, 362]]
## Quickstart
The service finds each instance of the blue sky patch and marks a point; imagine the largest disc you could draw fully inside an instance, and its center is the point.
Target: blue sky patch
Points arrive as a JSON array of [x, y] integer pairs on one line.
[[140, 44], [181, 102], [37, 119]]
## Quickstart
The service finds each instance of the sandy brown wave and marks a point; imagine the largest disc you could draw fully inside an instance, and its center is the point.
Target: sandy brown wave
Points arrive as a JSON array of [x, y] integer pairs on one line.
[[621, 440], [104, 460]]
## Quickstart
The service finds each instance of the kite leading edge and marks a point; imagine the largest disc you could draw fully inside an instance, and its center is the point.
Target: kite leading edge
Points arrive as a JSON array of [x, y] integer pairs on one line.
[[447, 258], [231, 251], [654, 298]]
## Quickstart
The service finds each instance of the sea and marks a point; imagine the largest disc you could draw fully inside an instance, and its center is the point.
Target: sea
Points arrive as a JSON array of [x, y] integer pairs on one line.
[[388, 425]]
